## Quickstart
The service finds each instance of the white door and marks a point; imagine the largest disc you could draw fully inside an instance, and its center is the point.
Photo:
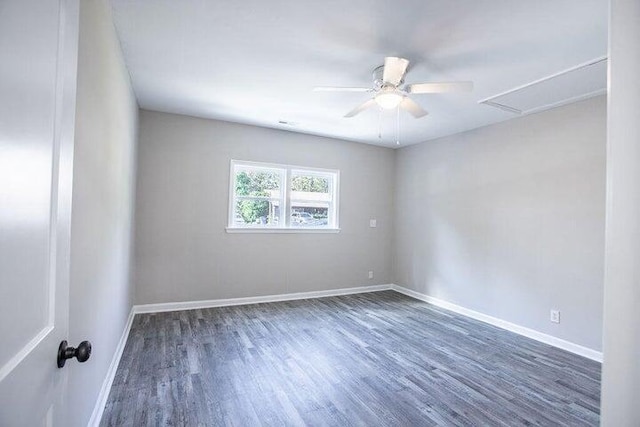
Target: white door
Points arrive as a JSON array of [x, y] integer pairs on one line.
[[38, 62]]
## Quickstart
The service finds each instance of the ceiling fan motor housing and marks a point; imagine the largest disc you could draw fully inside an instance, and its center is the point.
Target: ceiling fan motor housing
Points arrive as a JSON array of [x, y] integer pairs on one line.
[[378, 81]]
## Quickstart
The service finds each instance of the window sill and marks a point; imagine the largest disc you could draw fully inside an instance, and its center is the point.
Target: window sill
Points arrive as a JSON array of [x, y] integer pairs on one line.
[[283, 230]]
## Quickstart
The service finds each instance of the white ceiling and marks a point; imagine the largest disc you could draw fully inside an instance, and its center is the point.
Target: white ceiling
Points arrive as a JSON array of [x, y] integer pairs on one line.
[[256, 61]]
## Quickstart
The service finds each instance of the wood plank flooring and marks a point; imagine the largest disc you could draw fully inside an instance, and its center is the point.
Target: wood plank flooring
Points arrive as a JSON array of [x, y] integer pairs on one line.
[[375, 359]]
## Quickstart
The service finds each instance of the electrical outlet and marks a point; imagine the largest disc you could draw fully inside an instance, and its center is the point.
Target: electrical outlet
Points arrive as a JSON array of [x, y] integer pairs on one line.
[[555, 316], [371, 275]]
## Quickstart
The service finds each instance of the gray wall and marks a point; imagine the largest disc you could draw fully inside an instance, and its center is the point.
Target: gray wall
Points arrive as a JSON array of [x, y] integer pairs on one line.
[[104, 175], [508, 220], [183, 252]]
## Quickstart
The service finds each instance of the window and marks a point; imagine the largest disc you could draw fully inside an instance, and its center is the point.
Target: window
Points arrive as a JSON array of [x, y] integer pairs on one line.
[[274, 197]]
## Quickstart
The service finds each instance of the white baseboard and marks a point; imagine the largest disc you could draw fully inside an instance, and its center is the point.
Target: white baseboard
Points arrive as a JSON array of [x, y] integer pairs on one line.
[[98, 409], [191, 305], [503, 324]]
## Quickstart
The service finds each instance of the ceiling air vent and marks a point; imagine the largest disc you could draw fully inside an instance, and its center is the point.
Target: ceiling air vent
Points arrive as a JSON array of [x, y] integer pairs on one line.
[[575, 84]]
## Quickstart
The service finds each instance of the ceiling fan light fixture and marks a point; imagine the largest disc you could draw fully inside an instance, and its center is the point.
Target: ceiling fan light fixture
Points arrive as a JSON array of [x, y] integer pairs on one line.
[[388, 100]]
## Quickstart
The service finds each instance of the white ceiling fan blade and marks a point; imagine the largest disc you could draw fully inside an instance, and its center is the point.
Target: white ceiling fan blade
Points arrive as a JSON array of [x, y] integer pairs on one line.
[[360, 108], [394, 69], [413, 108], [341, 89], [440, 87]]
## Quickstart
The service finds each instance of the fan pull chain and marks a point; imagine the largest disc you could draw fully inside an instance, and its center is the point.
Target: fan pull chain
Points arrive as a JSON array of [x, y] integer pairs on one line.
[[398, 125], [379, 123]]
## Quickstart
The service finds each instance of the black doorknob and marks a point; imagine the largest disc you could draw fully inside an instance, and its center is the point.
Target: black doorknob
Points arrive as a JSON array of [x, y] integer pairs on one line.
[[82, 352]]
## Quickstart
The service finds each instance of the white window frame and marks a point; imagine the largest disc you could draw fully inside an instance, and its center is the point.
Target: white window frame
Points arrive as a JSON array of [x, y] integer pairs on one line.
[[285, 226]]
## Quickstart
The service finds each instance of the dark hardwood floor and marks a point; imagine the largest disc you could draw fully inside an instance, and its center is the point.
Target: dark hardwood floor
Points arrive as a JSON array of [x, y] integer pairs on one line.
[[376, 359]]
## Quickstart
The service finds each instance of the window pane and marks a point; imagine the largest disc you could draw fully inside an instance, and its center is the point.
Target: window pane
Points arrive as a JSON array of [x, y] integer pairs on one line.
[[310, 183], [258, 182], [256, 212], [309, 215]]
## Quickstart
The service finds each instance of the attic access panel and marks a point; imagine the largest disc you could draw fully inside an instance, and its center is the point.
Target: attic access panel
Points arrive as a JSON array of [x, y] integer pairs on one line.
[[577, 83]]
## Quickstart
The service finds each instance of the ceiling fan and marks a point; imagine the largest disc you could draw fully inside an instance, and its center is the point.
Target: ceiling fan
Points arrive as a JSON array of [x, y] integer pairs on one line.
[[389, 92]]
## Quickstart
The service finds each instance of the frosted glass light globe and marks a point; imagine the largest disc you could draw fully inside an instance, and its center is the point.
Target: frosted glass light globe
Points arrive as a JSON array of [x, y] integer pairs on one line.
[[388, 100]]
